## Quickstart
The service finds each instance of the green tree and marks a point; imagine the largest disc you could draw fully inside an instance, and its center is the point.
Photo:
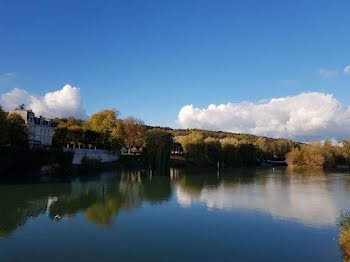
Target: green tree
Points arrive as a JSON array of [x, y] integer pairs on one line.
[[75, 134], [157, 147], [328, 152], [230, 152], [214, 150], [17, 131], [264, 144], [67, 122], [60, 137], [91, 137], [104, 121], [195, 149], [71, 121], [116, 138], [110, 128], [248, 155]]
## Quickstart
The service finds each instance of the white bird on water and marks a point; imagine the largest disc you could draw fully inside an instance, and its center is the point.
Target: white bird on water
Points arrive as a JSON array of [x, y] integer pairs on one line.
[[57, 217]]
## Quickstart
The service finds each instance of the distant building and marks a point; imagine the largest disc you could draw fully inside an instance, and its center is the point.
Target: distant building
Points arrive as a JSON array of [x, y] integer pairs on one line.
[[40, 129]]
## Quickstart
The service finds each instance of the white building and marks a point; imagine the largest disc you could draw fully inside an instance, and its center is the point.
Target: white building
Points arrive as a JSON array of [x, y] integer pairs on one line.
[[40, 129]]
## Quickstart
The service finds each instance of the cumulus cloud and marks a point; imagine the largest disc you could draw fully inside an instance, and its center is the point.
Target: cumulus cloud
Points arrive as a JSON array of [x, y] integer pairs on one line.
[[61, 103], [347, 70], [303, 117], [327, 73]]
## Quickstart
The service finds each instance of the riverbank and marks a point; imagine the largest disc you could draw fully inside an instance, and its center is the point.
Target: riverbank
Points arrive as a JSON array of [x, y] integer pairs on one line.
[[57, 163], [48, 164]]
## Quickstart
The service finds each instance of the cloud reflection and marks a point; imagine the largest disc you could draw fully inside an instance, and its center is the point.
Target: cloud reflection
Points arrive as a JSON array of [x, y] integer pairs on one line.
[[312, 200]]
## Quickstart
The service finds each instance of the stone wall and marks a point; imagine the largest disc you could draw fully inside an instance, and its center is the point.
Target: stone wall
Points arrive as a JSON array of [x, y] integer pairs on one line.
[[103, 155]]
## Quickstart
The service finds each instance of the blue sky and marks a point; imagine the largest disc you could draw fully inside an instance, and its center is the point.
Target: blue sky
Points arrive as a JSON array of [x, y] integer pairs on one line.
[[151, 58]]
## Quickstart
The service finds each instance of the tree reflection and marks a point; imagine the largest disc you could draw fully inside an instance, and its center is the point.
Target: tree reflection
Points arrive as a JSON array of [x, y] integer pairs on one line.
[[18, 203], [307, 172], [282, 193], [102, 214], [101, 200], [156, 190]]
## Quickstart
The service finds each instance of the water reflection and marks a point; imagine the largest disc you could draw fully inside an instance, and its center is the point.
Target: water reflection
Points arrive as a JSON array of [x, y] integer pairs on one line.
[[101, 200], [311, 198]]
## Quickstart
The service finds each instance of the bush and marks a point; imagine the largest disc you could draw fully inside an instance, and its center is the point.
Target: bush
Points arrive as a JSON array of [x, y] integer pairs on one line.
[[308, 156], [344, 237]]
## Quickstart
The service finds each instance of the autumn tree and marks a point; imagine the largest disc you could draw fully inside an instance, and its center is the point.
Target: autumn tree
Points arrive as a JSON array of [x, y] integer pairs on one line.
[[134, 131], [313, 158], [106, 122], [344, 236], [307, 156]]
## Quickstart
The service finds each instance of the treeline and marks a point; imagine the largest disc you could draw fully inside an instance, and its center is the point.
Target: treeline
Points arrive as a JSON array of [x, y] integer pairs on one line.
[[320, 155], [216, 134], [207, 148], [201, 147], [104, 130]]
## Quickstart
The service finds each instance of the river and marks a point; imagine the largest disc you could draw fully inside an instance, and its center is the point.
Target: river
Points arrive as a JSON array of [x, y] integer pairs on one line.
[[187, 215]]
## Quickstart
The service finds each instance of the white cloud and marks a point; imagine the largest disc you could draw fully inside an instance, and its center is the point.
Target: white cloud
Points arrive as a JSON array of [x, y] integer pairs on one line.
[[327, 74], [62, 103], [305, 116], [347, 70]]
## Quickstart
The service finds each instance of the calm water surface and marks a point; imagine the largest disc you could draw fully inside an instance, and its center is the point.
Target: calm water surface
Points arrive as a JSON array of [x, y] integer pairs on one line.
[[237, 215]]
